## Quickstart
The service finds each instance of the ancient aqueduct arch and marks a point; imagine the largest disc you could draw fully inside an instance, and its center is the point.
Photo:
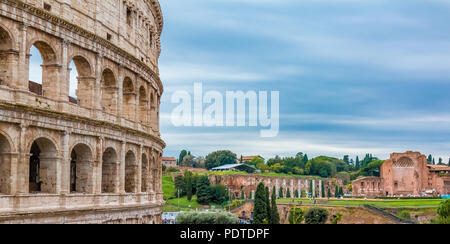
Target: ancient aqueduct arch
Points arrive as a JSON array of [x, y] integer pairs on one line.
[[102, 149]]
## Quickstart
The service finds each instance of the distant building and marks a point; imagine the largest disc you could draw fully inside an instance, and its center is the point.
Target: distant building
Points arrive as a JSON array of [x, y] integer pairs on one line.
[[405, 174], [169, 162], [236, 167], [248, 159]]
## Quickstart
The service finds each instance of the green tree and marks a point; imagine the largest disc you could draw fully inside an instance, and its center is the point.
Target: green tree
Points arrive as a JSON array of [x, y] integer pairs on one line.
[[335, 219], [180, 186], [311, 188], [220, 158], [181, 157], [329, 193], [288, 193], [440, 161], [316, 216], [336, 191], [242, 195], [274, 215], [296, 215], [268, 204], [323, 190], [260, 208], [296, 194], [188, 180], [357, 163], [430, 159], [341, 191], [203, 190], [444, 212], [280, 193], [219, 194]]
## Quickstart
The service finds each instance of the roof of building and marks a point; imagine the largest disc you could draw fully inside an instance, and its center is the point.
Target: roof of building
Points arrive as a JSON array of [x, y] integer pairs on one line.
[[251, 157], [232, 166], [439, 167], [169, 158]]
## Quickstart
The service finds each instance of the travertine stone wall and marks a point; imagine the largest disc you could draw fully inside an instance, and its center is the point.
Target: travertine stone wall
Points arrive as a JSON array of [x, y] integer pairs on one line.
[[101, 151]]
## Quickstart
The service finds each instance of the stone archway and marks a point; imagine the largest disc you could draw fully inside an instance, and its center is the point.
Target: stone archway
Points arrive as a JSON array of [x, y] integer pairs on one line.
[[129, 99], [145, 174], [5, 57], [143, 105], [81, 169], [109, 92], [5, 165], [43, 167], [110, 171], [48, 87], [85, 82], [131, 173]]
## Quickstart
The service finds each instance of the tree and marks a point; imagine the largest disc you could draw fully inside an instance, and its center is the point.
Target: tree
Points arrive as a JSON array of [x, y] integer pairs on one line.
[[296, 194], [430, 159], [316, 216], [444, 213], [188, 180], [296, 215], [260, 208], [346, 159], [268, 204], [288, 193], [434, 162], [181, 157], [207, 218], [311, 188], [440, 161], [242, 195], [336, 192], [180, 187], [341, 191], [357, 164], [219, 194], [329, 193], [220, 158], [274, 215], [280, 193], [203, 190], [323, 190], [335, 219]]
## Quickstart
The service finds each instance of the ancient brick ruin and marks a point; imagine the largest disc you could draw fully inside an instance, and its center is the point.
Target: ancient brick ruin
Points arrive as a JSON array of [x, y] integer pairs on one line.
[[405, 174], [97, 158]]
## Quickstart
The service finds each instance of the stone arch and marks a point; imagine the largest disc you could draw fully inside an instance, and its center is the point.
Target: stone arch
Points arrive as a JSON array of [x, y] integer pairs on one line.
[[5, 165], [403, 162], [109, 91], [81, 168], [143, 105], [145, 173], [6, 57], [43, 166], [50, 69], [110, 171], [129, 99], [131, 173], [85, 81]]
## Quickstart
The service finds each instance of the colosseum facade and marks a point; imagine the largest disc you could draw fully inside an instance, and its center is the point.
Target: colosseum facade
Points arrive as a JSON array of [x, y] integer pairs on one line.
[[96, 157]]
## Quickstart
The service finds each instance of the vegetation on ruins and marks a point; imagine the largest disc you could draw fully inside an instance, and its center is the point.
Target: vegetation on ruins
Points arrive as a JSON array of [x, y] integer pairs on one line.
[[336, 218], [274, 215], [296, 216], [443, 213], [260, 215], [211, 218], [316, 216]]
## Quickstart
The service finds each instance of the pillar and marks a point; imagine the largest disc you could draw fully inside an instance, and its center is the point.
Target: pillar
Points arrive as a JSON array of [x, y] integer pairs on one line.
[[122, 168], [65, 164]]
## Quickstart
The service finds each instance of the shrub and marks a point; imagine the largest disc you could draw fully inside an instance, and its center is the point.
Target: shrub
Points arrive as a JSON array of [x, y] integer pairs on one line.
[[172, 170], [335, 219], [296, 216], [443, 213], [219, 194], [206, 218], [316, 216], [404, 214]]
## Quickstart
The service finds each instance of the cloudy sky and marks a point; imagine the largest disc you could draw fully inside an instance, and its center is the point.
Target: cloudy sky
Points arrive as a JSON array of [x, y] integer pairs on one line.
[[354, 77]]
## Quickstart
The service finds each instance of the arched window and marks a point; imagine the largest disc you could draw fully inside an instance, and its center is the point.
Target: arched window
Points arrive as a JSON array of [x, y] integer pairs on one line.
[[109, 92], [82, 82], [81, 169], [5, 166], [129, 99], [5, 57], [110, 171], [43, 167], [43, 70], [131, 173]]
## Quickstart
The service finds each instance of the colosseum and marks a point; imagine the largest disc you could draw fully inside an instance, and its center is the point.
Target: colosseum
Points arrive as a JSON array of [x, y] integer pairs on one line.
[[96, 157]]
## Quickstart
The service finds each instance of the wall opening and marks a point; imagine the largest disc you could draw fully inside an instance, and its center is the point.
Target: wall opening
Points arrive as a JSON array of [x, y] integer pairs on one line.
[[5, 57], [131, 173], [81, 169], [5, 166], [129, 99], [109, 92], [110, 172], [43, 167], [43, 70]]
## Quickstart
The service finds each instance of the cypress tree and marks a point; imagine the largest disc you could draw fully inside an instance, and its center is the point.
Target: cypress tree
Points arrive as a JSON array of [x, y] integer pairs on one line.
[[288, 193], [242, 195], [268, 204], [336, 192], [260, 209], [296, 194], [274, 215], [341, 191], [323, 191], [329, 193], [280, 193], [203, 190], [311, 188]]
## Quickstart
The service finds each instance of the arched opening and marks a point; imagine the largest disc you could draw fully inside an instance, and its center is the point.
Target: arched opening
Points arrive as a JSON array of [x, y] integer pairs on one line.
[[43, 167], [5, 166], [145, 174], [81, 82], [81, 169], [5, 57], [129, 99], [143, 105], [43, 70], [131, 173], [110, 172], [109, 92]]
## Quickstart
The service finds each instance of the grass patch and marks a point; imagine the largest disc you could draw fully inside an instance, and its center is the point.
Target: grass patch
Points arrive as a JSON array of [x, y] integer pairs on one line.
[[168, 187]]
